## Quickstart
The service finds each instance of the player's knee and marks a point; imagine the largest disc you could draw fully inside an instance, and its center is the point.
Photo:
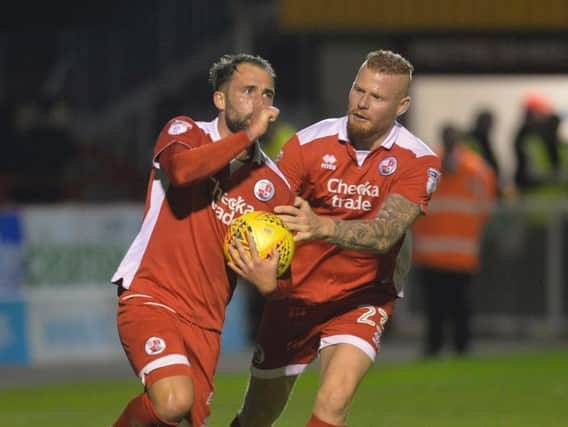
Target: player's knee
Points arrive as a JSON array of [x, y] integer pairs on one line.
[[174, 405]]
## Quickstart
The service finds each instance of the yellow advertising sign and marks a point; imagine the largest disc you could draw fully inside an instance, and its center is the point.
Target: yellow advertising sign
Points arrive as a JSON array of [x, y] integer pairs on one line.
[[416, 15]]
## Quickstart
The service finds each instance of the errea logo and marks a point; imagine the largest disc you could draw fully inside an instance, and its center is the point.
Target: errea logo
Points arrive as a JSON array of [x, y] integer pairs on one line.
[[328, 162]]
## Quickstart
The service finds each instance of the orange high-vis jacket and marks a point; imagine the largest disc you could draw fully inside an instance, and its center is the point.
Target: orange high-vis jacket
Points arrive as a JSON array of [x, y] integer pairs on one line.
[[448, 237]]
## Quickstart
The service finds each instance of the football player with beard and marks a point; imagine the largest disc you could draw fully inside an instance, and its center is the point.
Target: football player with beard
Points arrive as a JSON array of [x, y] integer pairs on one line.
[[173, 283], [362, 180]]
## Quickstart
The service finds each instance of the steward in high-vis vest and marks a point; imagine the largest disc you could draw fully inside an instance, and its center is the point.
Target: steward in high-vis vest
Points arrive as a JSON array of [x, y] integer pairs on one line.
[[537, 148], [447, 240]]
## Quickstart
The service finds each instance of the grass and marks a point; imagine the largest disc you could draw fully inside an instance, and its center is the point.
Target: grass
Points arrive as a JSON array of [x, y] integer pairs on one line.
[[528, 389]]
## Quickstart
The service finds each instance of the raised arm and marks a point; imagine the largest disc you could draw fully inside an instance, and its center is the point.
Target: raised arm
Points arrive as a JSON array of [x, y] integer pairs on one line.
[[376, 235], [184, 157], [184, 166]]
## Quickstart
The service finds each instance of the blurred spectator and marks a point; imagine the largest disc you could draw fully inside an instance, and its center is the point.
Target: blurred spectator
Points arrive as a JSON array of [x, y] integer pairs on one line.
[[537, 145], [41, 152], [9, 146], [480, 138], [447, 241]]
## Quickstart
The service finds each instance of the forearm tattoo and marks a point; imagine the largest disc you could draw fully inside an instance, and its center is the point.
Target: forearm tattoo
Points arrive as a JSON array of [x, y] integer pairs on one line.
[[377, 235]]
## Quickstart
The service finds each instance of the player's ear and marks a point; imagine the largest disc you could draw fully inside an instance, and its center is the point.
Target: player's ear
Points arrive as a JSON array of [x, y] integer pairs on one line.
[[219, 100], [403, 106]]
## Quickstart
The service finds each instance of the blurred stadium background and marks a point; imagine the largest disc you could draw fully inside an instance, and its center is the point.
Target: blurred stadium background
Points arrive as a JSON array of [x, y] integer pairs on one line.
[[84, 93]]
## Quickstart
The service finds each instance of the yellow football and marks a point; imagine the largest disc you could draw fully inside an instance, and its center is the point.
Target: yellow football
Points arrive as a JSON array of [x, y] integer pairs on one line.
[[268, 231]]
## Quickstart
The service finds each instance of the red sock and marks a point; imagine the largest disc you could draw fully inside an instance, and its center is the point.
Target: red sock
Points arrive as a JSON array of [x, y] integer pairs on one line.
[[235, 422], [140, 412], [314, 421]]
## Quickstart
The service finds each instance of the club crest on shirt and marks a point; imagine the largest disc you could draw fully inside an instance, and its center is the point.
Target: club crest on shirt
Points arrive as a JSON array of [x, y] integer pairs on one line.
[[264, 190], [154, 345], [387, 166], [433, 179], [178, 127]]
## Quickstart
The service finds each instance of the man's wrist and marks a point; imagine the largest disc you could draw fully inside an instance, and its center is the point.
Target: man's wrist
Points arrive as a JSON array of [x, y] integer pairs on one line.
[[329, 229]]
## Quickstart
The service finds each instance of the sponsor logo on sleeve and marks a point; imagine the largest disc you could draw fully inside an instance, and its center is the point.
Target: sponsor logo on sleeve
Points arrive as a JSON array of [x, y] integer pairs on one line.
[[264, 190], [433, 179], [178, 127], [155, 345], [388, 166]]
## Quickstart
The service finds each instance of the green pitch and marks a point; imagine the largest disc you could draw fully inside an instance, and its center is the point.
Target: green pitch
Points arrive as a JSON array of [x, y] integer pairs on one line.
[[502, 391]]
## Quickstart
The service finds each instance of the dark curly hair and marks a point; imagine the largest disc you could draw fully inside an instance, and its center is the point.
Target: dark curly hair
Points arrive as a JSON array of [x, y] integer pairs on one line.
[[223, 69]]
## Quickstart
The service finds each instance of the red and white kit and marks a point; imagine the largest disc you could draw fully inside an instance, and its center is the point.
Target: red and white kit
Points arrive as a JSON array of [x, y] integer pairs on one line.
[[343, 183], [175, 279]]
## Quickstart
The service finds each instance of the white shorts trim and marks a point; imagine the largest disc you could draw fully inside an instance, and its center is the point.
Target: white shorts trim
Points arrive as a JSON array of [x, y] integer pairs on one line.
[[284, 371], [360, 343], [124, 298], [170, 359], [160, 305]]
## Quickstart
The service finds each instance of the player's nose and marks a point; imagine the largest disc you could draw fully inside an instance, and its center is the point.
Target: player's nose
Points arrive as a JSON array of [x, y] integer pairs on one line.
[[363, 101]]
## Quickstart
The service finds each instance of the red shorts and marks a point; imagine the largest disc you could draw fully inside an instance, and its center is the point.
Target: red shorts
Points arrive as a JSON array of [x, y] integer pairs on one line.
[[159, 344], [292, 332]]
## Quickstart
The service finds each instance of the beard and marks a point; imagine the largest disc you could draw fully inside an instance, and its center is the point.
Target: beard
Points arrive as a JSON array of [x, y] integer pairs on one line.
[[235, 121], [360, 134], [236, 124]]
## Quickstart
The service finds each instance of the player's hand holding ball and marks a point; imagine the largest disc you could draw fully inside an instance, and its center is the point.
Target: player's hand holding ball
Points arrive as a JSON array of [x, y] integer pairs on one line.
[[259, 247]]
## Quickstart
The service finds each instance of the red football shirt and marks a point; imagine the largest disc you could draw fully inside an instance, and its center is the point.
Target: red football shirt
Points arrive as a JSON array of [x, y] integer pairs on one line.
[[177, 256], [341, 182]]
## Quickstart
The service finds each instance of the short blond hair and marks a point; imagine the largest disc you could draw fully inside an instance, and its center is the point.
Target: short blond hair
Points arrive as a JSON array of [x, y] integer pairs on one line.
[[389, 62]]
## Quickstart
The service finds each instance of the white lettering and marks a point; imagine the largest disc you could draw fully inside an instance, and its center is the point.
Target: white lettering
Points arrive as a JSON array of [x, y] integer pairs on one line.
[[362, 192], [225, 207], [357, 203], [338, 186], [328, 166]]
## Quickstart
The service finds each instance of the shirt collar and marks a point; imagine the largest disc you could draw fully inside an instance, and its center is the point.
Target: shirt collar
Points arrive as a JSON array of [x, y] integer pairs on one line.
[[215, 135], [257, 158], [256, 155], [387, 143], [342, 134], [392, 136]]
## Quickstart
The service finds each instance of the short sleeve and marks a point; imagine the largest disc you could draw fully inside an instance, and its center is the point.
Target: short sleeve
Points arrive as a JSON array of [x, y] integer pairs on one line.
[[419, 181], [180, 129]]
